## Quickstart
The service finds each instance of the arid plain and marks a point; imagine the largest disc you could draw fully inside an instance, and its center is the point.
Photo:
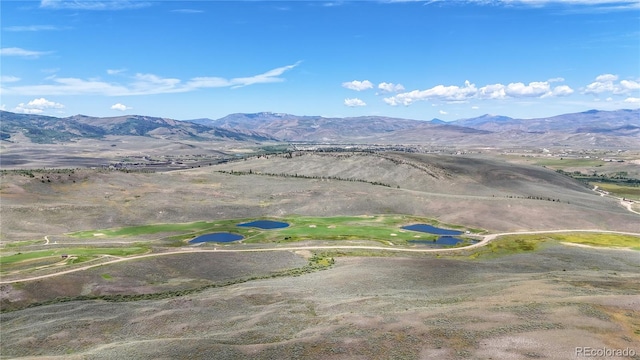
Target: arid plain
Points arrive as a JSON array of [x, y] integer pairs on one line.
[[520, 296]]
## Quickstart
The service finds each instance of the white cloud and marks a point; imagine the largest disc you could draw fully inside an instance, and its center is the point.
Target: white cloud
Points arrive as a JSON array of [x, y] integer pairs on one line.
[[354, 102], [358, 85], [143, 84], [455, 94], [115, 71], [8, 78], [43, 103], [534, 89], [440, 92], [475, 107], [15, 51], [632, 100], [25, 110], [31, 28], [390, 87], [37, 106], [607, 83], [562, 90], [629, 85], [3, 107], [120, 107], [442, 112], [606, 77], [93, 5], [556, 79], [495, 91]]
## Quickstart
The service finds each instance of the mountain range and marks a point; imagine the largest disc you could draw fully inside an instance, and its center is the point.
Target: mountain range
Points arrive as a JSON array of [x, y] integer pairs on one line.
[[48, 129], [594, 128]]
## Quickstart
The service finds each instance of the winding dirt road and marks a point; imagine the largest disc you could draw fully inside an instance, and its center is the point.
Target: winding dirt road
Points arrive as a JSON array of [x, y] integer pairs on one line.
[[486, 239]]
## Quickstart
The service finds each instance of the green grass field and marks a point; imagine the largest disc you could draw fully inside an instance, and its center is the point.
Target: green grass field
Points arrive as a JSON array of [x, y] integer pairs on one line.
[[84, 253], [625, 191], [386, 229], [383, 228], [145, 229], [600, 239], [513, 244]]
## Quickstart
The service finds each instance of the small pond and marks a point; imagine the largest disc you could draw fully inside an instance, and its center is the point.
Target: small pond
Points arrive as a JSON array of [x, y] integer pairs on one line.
[[431, 229], [442, 240], [265, 224], [217, 237]]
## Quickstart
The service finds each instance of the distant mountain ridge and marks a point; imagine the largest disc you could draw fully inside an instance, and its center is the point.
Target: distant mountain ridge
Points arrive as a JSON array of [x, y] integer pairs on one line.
[[48, 129], [592, 128], [316, 128], [569, 123]]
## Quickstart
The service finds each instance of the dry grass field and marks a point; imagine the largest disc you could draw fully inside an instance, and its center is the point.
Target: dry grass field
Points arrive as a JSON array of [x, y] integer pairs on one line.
[[517, 299], [541, 304]]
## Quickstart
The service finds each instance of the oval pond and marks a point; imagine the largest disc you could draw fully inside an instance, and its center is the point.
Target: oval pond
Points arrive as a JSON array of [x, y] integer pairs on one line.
[[216, 237], [265, 224], [431, 229], [442, 240]]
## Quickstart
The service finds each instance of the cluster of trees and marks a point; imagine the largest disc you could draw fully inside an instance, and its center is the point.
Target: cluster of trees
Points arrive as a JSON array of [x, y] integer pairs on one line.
[[313, 177], [531, 197], [47, 175], [620, 177]]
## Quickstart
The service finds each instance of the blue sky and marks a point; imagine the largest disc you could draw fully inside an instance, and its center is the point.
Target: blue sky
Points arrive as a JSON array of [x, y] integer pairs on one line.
[[410, 59]]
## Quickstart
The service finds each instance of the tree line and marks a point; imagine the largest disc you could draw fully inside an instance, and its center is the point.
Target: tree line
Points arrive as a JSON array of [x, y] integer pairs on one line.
[[298, 176]]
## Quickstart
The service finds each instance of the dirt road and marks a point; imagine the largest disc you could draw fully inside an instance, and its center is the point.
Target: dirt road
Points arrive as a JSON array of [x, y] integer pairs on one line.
[[486, 239]]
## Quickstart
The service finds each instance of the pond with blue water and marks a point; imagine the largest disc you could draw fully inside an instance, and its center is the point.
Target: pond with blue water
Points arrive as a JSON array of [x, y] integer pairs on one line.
[[265, 224], [431, 229], [217, 237], [441, 240]]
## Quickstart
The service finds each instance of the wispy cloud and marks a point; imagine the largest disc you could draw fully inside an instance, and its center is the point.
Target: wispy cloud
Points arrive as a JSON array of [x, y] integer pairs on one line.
[[270, 76], [8, 79], [585, 6], [115, 71], [187, 11], [93, 5], [31, 28], [143, 84], [15, 51]]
